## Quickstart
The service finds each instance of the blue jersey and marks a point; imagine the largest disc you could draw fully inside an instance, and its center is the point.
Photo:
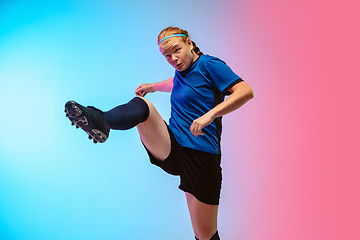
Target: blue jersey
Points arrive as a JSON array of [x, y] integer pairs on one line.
[[196, 91]]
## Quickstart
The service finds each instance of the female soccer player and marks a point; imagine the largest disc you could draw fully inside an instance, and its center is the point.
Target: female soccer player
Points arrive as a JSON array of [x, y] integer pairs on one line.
[[189, 146]]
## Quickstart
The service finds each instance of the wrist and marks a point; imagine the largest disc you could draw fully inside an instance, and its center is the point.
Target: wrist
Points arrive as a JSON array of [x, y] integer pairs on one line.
[[212, 114], [153, 87]]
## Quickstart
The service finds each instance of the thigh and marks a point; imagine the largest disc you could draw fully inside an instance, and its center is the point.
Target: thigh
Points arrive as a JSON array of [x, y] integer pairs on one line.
[[154, 134], [203, 217], [201, 175]]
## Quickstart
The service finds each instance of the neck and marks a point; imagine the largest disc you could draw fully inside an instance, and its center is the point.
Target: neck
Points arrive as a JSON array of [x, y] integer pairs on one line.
[[195, 57]]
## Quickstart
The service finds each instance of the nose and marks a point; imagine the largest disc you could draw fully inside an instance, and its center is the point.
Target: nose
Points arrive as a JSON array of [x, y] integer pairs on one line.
[[174, 58]]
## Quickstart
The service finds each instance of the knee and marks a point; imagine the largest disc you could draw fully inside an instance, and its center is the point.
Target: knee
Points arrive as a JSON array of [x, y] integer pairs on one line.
[[151, 108], [150, 105]]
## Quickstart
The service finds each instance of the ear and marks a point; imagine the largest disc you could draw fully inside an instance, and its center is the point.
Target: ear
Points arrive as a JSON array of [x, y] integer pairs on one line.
[[189, 43]]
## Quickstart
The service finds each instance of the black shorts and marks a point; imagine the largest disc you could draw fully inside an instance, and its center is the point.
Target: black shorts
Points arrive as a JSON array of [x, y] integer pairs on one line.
[[200, 172]]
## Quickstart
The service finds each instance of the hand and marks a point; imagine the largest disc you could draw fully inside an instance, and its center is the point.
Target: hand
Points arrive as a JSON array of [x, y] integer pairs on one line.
[[199, 123], [144, 89]]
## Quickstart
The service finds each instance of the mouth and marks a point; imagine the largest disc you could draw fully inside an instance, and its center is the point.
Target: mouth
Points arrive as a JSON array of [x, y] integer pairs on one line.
[[178, 65]]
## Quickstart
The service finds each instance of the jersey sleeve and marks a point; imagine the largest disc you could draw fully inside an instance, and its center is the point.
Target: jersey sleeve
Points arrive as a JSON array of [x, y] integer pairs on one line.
[[221, 74]]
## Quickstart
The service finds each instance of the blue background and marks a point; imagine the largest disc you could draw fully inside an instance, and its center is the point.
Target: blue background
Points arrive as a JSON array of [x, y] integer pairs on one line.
[[55, 184]]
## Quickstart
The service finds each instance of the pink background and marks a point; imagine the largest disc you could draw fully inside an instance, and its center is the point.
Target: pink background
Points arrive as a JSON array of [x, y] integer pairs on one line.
[[293, 151]]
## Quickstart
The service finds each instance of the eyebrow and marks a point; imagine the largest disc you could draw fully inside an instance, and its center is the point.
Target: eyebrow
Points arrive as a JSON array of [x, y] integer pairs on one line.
[[170, 48]]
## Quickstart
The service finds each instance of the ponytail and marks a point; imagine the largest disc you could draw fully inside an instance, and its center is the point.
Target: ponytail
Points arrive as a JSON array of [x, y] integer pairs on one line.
[[196, 49]]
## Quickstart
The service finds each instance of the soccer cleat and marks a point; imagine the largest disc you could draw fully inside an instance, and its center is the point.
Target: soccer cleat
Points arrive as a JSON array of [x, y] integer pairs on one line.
[[89, 119]]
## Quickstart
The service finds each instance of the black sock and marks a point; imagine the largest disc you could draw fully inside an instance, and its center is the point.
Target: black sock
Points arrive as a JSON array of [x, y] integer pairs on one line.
[[128, 115], [215, 237]]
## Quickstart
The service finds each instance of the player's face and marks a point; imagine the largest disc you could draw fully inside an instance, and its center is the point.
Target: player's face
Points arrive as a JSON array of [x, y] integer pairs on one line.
[[178, 53]]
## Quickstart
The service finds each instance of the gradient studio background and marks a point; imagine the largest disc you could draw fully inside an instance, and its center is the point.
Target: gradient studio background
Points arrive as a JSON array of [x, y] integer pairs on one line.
[[291, 155]]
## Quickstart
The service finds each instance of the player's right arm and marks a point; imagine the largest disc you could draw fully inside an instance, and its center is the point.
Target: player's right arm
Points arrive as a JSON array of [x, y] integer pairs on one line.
[[164, 86]]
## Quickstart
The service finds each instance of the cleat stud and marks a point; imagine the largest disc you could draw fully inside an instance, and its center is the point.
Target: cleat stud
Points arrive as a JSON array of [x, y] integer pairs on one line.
[[95, 141], [72, 124], [90, 137]]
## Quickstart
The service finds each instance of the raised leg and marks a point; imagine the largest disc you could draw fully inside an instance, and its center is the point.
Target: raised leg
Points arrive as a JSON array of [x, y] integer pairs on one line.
[[154, 134]]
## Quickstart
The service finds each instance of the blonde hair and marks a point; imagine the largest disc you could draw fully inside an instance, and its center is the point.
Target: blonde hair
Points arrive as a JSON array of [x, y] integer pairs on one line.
[[175, 30]]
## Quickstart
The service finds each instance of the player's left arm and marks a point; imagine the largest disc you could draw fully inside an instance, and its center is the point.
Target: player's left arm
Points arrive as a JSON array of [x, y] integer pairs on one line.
[[240, 94]]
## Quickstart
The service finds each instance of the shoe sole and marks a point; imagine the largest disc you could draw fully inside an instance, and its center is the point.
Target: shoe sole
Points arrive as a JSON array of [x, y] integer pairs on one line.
[[73, 111]]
